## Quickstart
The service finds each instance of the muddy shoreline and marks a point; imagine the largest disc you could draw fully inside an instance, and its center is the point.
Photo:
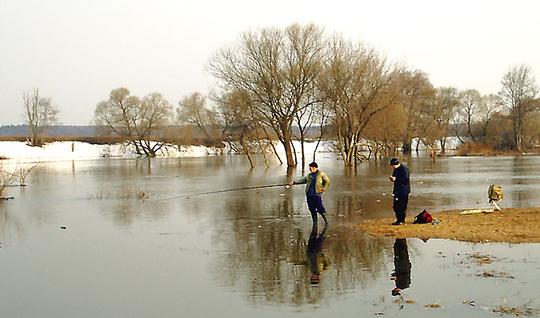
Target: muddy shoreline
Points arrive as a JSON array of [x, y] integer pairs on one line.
[[513, 225]]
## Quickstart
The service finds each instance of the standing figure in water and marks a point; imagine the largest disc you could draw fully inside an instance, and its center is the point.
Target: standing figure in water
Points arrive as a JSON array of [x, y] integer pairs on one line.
[[402, 187], [316, 182]]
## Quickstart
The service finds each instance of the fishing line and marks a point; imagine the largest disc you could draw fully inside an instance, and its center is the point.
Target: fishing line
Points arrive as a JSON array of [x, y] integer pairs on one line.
[[187, 196]]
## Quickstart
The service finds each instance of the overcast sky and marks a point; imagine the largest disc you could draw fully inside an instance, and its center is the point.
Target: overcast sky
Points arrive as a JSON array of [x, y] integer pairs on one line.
[[76, 52]]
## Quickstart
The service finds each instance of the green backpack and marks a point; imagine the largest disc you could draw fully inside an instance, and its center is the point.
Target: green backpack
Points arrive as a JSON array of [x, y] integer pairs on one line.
[[495, 193]]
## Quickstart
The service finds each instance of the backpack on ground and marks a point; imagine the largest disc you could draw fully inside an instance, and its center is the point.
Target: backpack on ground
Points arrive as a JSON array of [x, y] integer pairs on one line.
[[423, 217], [495, 193]]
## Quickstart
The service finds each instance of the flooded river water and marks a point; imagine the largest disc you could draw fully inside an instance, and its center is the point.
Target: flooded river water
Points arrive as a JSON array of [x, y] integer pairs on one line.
[[137, 238]]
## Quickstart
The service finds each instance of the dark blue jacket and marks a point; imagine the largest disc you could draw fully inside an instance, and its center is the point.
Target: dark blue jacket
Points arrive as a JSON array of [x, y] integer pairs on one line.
[[402, 184]]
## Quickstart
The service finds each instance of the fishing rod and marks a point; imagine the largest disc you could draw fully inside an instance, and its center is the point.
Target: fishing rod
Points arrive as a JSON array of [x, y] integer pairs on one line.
[[187, 196]]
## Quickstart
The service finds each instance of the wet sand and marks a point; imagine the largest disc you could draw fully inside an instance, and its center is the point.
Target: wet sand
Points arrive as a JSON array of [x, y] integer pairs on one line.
[[513, 225]]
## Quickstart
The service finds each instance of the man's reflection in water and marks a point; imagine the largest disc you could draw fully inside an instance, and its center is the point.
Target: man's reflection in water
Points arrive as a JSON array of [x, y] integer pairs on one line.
[[316, 259], [402, 267]]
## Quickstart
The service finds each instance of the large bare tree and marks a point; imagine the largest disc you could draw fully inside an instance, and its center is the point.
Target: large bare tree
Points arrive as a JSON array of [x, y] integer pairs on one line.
[[356, 83], [518, 89], [39, 113], [277, 68]]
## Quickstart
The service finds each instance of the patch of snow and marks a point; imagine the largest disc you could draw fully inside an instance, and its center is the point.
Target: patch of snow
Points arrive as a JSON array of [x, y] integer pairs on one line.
[[67, 150], [309, 147], [451, 144]]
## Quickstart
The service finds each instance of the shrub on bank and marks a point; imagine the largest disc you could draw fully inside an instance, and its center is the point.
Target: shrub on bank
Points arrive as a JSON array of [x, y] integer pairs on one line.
[[475, 149]]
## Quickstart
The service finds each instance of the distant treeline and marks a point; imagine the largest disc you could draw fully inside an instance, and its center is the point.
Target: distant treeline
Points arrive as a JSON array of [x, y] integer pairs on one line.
[[21, 132]]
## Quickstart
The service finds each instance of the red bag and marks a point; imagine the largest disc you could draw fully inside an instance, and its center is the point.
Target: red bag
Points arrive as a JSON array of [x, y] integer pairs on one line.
[[423, 217]]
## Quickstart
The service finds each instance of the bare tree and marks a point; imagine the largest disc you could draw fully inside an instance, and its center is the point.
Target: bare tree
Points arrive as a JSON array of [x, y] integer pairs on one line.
[[435, 115], [446, 102], [531, 129], [518, 89], [304, 119], [416, 93], [238, 123], [118, 113], [490, 105], [469, 109], [323, 118], [192, 109], [385, 131], [277, 69], [39, 114], [154, 113], [22, 171], [432, 127], [356, 83], [139, 121], [6, 179]]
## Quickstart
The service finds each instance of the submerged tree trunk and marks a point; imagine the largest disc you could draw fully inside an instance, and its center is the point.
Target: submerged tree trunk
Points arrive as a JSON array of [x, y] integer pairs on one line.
[[247, 151], [443, 145], [272, 145], [407, 147], [288, 152]]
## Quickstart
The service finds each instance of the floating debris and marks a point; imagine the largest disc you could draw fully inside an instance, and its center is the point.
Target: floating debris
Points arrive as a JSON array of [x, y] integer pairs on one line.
[[516, 311], [495, 274], [481, 259]]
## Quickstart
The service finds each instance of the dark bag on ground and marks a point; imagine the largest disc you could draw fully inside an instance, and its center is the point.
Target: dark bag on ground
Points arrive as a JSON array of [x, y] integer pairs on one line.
[[423, 217]]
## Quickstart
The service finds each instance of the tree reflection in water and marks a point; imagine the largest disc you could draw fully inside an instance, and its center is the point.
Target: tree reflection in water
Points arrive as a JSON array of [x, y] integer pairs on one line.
[[265, 254]]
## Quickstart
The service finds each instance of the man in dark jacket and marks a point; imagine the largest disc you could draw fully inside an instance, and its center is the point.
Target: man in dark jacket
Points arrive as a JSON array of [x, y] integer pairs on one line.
[[402, 187]]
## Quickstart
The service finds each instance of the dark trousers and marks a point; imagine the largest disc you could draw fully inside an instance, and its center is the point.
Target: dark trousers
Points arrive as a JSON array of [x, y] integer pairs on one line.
[[400, 207], [315, 206]]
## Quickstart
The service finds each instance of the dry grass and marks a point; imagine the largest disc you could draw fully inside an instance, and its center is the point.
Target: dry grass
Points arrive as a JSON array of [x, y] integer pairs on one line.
[[510, 225], [475, 149]]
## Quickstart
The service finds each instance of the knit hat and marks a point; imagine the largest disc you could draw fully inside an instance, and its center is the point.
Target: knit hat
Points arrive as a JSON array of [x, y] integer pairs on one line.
[[314, 164], [394, 161]]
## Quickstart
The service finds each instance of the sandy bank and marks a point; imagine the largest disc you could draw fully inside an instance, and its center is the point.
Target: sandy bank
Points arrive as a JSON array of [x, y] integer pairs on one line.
[[510, 225]]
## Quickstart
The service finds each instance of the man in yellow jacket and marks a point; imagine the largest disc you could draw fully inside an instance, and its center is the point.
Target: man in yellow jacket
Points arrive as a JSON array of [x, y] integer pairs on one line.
[[316, 182]]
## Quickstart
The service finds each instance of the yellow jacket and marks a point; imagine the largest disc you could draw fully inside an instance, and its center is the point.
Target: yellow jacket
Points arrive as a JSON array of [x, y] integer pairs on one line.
[[322, 182]]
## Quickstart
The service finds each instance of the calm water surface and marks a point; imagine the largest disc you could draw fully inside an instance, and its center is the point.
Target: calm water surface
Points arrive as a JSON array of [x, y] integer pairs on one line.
[[177, 253]]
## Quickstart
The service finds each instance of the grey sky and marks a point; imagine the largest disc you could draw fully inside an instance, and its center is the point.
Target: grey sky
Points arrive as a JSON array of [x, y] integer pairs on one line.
[[77, 51]]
